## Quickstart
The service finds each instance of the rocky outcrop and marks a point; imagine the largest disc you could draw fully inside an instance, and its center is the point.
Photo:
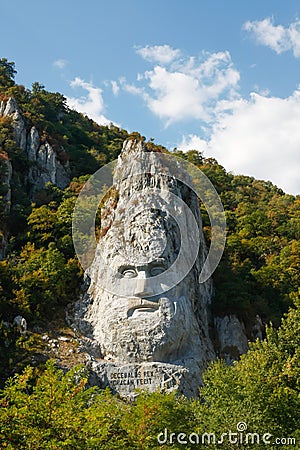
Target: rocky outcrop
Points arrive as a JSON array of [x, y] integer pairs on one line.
[[21, 324], [45, 164], [44, 167], [257, 329], [10, 109], [47, 167], [33, 144], [7, 181], [6, 176], [231, 339]]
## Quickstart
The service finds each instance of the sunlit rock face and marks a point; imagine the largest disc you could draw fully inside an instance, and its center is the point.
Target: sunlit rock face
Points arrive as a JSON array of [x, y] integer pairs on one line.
[[143, 306]]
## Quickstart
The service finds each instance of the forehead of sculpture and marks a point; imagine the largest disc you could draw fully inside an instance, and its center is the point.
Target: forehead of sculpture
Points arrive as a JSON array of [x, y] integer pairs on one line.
[[146, 237]]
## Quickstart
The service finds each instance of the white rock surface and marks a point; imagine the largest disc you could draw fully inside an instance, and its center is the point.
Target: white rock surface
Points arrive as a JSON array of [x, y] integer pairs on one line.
[[152, 376], [6, 176], [231, 336], [7, 181], [33, 144], [10, 109], [21, 323], [257, 329]]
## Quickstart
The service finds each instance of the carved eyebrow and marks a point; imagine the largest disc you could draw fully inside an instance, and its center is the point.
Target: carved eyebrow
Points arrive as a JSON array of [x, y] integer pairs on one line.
[[126, 267], [158, 262]]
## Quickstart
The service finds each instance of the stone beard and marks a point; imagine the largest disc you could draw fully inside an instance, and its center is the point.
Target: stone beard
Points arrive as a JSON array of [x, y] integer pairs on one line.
[[161, 331]]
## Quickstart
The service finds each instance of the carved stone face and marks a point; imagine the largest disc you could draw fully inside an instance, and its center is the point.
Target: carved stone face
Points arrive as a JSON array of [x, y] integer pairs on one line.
[[145, 322], [145, 327], [141, 303]]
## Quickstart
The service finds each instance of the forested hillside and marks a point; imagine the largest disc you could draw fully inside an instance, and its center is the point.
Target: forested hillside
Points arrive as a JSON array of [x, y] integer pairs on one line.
[[40, 276]]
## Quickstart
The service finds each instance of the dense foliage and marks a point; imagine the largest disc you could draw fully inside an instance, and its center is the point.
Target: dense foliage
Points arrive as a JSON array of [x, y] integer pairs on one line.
[[53, 410], [259, 274], [259, 271]]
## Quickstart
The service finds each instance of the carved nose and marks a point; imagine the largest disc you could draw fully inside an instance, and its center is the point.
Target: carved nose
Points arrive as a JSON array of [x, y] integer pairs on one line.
[[141, 289]]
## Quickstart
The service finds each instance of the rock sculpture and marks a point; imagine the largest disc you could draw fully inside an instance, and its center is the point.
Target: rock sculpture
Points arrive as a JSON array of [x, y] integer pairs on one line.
[[146, 318]]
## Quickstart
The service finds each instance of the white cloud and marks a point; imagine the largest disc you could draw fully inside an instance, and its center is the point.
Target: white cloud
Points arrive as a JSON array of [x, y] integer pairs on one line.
[[162, 54], [91, 104], [187, 89], [132, 89], [60, 63], [258, 137], [115, 87], [193, 142], [277, 37], [177, 95]]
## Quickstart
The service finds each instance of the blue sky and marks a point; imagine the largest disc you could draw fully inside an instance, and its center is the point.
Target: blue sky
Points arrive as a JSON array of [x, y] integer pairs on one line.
[[219, 76]]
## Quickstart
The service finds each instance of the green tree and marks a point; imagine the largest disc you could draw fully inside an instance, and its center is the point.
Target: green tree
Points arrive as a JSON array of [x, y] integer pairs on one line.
[[7, 74], [41, 224], [262, 389], [152, 413], [44, 412], [45, 280]]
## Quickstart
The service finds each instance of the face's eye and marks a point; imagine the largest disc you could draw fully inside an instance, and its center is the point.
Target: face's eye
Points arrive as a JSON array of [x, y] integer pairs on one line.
[[157, 270], [128, 272]]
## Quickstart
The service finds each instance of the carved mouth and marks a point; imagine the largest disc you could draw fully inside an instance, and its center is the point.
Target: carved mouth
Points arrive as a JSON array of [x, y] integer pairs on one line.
[[141, 305]]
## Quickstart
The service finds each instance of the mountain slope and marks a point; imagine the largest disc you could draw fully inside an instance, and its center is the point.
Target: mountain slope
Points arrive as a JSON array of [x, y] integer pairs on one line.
[[47, 151]]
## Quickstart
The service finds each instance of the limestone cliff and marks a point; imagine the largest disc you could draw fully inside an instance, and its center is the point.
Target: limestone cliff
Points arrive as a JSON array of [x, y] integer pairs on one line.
[[45, 165]]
